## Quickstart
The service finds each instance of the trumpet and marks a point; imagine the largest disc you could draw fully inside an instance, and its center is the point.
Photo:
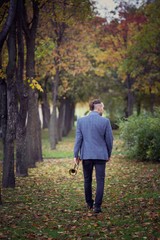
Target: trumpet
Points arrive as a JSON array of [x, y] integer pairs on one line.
[[73, 171]]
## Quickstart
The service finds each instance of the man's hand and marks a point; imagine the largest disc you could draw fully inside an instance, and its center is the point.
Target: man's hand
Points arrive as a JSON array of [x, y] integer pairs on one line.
[[77, 160]]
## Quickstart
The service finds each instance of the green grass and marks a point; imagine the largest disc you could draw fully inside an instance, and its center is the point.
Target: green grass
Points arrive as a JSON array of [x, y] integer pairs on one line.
[[49, 204], [64, 148]]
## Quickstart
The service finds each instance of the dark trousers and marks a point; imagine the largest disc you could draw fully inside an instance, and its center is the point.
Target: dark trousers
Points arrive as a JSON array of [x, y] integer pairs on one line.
[[88, 166]]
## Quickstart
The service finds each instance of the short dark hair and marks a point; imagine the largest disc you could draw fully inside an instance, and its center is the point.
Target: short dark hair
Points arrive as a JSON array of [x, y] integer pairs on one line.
[[93, 103]]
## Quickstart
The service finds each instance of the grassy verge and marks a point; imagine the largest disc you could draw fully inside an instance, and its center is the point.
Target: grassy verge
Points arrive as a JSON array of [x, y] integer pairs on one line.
[[63, 149], [49, 204]]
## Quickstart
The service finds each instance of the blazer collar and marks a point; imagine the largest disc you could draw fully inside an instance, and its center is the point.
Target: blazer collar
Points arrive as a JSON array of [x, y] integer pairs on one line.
[[94, 113]]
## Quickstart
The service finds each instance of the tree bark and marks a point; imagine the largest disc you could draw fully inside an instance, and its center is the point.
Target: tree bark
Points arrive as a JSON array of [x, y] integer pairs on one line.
[[130, 97], [0, 197], [3, 108], [58, 28], [53, 125], [21, 165], [61, 119], [138, 107], [69, 116], [33, 135], [45, 111], [45, 105], [33, 130], [3, 113], [8, 178], [138, 103], [152, 102], [9, 20]]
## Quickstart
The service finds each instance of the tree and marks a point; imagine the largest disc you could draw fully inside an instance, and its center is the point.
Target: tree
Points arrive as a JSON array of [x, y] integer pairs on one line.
[[22, 92], [143, 61], [64, 14], [8, 107], [8, 22], [15, 125], [3, 113], [8, 179], [113, 48], [44, 72], [33, 130]]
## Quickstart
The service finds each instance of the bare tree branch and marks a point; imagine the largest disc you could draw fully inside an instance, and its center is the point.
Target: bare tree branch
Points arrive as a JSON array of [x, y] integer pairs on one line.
[[9, 20]]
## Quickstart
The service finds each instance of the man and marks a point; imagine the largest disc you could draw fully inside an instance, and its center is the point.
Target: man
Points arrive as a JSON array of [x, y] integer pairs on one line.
[[94, 141]]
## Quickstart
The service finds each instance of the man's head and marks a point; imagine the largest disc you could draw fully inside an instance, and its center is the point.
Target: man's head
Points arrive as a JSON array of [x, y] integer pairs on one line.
[[97, 105]]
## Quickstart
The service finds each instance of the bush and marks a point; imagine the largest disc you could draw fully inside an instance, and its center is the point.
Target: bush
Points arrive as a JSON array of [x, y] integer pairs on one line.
[[114, 124], [141, 137]]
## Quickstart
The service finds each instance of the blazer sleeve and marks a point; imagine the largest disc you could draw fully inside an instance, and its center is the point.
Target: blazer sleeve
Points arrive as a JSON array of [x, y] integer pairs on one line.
[[109, 138], [78, 140]]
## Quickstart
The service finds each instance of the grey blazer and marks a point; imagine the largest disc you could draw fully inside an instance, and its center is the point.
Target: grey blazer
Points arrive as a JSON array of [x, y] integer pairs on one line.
[[94, 139]]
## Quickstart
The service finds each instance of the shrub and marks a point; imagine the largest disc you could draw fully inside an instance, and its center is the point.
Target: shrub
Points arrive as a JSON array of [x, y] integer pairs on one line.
[[114, 124], [141, 136]]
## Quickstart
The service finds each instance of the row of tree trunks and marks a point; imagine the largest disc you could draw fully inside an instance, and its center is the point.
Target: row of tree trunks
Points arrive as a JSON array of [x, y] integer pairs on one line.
[[61, 123], [130, 99], [22, 115], [66, 117]]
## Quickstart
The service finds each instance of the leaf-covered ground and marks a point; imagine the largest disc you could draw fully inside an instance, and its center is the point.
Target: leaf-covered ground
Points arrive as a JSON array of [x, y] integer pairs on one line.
[[49, 204]]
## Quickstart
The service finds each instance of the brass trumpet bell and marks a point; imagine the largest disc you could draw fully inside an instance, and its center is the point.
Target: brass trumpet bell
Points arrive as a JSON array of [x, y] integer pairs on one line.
[[73, 171]]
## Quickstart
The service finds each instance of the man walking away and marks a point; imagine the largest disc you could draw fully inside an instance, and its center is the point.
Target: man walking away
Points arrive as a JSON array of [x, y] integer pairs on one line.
[[94, 141]]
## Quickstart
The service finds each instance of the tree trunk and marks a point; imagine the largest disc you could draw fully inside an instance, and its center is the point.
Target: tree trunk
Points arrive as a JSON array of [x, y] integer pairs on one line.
[[138, 104], [3, 108], [152, 102], [138, 107], [45, 106], [0, 197], [53, 125], [45, 113], [33, 130], [21, 165], [33, 135], [3, 113], [69, 116], [8, 23], [53, 128], [61, 119], [130, 97], [8, 179]]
